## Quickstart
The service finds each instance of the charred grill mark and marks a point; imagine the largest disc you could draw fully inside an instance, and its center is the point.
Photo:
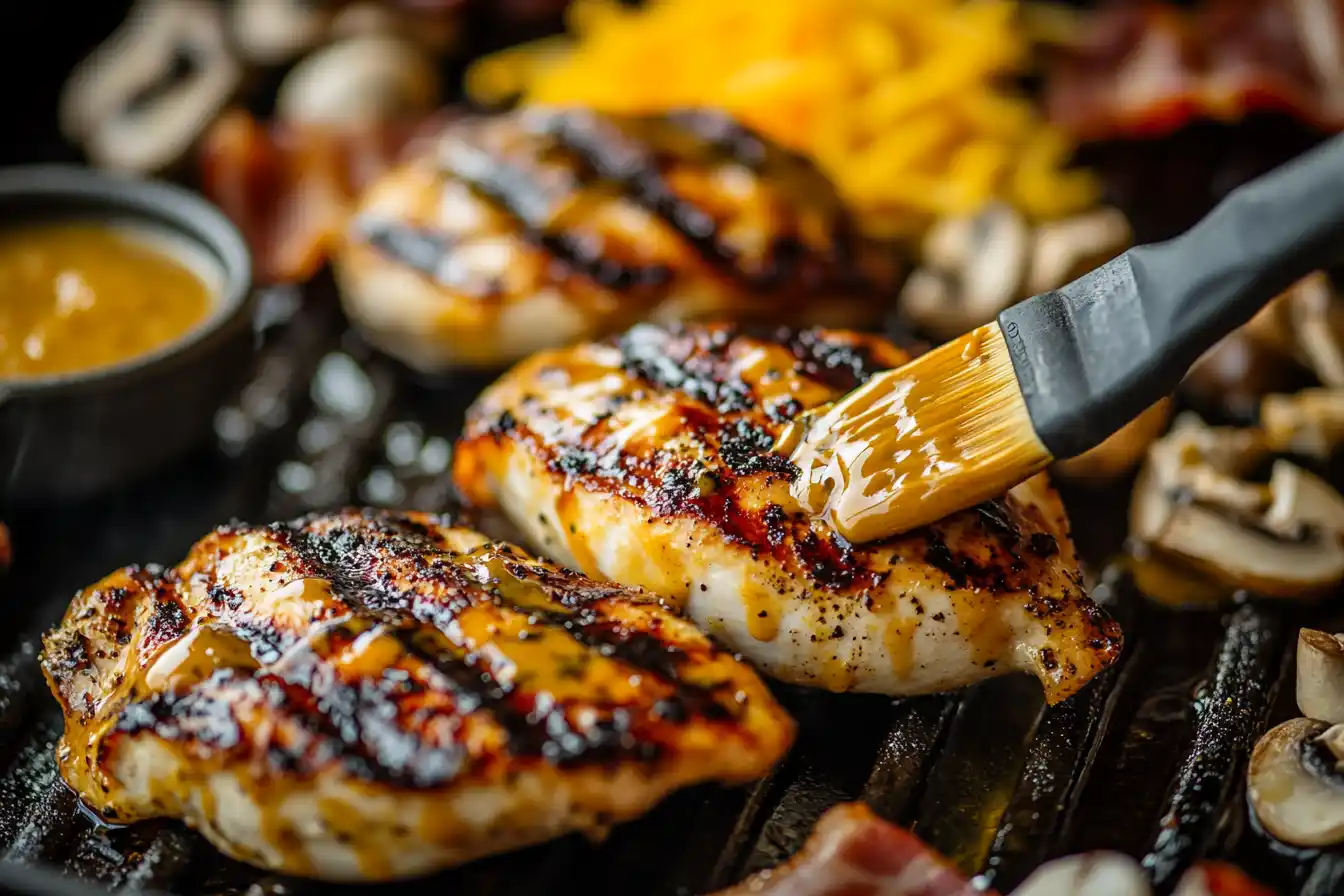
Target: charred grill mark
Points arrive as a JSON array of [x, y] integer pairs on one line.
[[355, 724], [692, 362], [586, 258], [746, 449], [997, 518], [532, 165], [168, 621], [627, 152], [840, 364], [419, 248], [535, 196], [359, 723], [962, 571]]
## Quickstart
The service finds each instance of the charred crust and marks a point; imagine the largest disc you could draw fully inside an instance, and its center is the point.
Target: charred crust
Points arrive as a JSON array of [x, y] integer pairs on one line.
[[839, 363], [691, 362], [395, 572], [532, 167]]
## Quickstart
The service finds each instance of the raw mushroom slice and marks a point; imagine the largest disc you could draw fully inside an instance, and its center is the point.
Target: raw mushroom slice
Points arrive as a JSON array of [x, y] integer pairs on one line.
[[141, 100], [1087, 874], [1320, 675], [1295, 784], [1282, 539], [1309, 422], [357, 81], [974, 268], [1064, 250], [273, 32], [1121, 452]]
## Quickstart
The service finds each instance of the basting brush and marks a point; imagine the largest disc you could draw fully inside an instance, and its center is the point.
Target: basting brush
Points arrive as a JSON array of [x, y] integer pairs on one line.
[[1058, 373]]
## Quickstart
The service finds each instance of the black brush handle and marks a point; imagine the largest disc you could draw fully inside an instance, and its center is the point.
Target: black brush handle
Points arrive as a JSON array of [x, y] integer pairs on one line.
[[1092, 355]]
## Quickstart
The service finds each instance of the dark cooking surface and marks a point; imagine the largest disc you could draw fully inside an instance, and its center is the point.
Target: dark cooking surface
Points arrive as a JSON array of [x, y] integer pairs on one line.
[[1148, 759]]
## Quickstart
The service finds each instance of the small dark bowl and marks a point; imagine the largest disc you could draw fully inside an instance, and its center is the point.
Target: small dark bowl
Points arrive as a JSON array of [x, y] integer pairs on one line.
[[74, 435]]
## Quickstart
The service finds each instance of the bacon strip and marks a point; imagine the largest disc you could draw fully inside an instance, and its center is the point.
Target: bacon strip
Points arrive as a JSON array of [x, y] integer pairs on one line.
[[852, 852], [289, 189], [1144, 69]]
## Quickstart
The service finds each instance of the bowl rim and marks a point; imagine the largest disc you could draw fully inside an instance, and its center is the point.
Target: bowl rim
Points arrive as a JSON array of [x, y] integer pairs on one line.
[[129, 198]]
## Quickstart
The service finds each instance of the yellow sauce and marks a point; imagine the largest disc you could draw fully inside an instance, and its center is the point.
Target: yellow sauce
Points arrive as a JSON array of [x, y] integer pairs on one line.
[[77, 296], [912, 446]]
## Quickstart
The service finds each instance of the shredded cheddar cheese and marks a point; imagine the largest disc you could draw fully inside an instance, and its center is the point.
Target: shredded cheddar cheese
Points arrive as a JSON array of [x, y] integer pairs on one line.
[[903, 103]]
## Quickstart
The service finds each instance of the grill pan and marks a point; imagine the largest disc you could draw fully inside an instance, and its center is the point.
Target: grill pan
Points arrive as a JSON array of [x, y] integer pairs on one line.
[[1149, 759]]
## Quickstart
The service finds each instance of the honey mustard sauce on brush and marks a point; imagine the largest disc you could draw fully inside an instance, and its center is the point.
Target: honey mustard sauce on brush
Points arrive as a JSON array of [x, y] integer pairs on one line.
[[891, 455]]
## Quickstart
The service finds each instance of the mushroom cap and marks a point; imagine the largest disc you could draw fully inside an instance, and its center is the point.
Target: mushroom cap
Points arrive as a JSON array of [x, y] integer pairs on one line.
[[1065, 250], [1291, 801], [973, 268], [272, 32], [1308, 422], [372, 77], [1281, 539]]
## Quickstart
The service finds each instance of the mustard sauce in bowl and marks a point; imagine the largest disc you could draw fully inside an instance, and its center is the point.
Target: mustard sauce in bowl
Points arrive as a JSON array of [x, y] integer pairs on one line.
[[83, 295], [126, 323]]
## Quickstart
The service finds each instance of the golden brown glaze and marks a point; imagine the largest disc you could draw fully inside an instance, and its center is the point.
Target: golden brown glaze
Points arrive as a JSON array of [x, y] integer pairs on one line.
[[366, 695], [525, 231], [647, 460], [911, 446]]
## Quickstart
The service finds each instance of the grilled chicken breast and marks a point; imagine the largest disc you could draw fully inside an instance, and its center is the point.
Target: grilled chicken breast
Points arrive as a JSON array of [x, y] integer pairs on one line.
[[534, 229], [646, 460], [370, 695]]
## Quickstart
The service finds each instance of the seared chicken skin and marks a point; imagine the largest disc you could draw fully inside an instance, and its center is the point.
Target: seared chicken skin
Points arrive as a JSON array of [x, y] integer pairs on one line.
[[647, 460], [534, 229], [370, 695]]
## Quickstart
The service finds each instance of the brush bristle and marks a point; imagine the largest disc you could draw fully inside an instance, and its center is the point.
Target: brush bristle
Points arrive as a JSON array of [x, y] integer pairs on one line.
[[913, 445]]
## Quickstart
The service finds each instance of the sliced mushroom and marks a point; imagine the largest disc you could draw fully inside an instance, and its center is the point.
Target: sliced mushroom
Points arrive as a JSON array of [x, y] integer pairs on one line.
[[142, 99], [1301, 330], [1120, 453], [1316, 319], [974, 268], [1296, 785], [1281, 539], [1300, 501], [273, 32], [1309, 422], [1087, 874], [1194, 463], [360, 80], [1320, 675], [1065, 250]]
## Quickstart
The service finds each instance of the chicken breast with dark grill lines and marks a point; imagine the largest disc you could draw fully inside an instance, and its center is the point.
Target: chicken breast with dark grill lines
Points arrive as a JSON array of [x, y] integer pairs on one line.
[[533, 229], [370, 695], [647, 460]]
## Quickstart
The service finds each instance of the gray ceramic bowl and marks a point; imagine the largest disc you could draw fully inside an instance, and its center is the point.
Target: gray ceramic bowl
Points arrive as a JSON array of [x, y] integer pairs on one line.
[[72, 436]]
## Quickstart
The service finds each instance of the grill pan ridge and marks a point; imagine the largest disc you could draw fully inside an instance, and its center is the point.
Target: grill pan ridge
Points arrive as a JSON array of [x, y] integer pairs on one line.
[[1149, 759]]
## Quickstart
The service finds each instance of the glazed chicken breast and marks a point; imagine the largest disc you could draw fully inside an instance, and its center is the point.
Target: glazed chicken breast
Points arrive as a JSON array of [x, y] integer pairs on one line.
[[370, 695], [647, 460], [533, 229]]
